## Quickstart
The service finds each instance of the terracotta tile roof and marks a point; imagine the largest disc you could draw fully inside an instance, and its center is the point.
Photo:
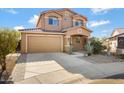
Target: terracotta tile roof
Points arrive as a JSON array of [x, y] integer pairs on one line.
[[31, 29], [39, 29]]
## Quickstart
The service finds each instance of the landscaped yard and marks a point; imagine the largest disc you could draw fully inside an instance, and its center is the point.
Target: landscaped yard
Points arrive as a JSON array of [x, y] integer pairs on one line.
[[98, 59]]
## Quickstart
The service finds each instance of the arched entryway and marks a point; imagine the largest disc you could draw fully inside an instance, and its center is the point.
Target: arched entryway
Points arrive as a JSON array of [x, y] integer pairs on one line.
[[78, 42]]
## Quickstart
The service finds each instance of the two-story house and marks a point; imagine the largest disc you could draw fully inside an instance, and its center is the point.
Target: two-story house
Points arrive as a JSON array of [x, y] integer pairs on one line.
[[56, 31]]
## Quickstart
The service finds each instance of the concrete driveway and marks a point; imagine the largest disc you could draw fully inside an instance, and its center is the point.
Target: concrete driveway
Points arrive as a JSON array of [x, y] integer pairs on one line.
[[59, 68]]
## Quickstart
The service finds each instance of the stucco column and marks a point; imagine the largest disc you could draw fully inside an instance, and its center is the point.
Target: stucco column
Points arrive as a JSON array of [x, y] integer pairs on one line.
[[67, 44]]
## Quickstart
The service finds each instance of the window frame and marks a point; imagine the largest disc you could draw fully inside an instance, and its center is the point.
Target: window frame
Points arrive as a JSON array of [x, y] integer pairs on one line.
[[78, 23], [54, 21]]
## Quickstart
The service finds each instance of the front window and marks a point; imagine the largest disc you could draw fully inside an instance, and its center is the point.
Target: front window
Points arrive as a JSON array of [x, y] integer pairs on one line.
[[78, 23], [53, 21]]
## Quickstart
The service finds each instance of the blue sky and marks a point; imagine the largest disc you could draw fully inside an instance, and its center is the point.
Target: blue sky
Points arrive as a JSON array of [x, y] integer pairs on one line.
[[101, 20]]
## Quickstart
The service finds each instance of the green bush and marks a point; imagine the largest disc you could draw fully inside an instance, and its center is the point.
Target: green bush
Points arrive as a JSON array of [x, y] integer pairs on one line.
[[8, 42], [97, 45]]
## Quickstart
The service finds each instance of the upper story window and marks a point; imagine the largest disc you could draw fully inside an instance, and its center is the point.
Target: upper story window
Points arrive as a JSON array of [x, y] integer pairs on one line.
[[66, 19], [53, 21], [78, 23]]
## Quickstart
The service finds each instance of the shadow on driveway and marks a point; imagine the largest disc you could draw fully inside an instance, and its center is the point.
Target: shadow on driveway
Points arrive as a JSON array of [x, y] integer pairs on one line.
[[117, 76]]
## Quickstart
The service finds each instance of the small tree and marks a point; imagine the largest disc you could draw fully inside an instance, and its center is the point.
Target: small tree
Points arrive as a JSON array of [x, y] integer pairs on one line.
[[8, 42]]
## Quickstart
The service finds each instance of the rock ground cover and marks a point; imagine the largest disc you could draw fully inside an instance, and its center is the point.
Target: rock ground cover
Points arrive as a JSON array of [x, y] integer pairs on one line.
[[98, 59]]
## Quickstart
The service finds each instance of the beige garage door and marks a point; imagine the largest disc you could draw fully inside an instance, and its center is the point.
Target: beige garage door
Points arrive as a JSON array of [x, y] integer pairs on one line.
[[46, 43]]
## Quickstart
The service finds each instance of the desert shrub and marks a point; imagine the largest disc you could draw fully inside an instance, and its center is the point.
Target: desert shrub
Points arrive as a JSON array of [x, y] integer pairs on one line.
[[89, 48], [8, 42], [97, 45]]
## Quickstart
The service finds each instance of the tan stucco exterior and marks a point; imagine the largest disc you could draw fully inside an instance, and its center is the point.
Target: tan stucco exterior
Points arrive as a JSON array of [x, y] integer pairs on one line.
[[41, 42], [61, 16], [55, 38], [71, 36], [77, 31]]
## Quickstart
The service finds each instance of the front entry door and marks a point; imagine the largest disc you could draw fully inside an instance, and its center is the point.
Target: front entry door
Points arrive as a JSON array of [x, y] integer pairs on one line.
[[77, 43]]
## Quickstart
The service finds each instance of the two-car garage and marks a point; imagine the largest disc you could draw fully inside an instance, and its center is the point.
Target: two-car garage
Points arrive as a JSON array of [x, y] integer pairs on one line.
[[32, 42]]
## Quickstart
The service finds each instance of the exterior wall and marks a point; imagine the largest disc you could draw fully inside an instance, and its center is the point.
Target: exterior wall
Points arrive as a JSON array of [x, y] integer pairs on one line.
[[41, 22], [67, 41], [69, 22], [77, 17], [71, 18], [44, 24], [78, 32], [23, 42], [113, 44], [69, 38], [70, 43], [45, 38]]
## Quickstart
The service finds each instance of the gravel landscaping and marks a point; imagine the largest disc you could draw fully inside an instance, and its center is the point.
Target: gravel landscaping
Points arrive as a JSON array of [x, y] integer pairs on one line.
[[98, 59]]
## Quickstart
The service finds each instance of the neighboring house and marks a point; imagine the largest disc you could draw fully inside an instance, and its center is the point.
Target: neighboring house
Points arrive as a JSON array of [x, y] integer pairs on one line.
[[116, 41], [56, 31]]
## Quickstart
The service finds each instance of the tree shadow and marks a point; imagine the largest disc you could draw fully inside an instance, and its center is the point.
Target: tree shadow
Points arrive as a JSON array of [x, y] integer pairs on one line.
[[6, 82], [116, 76]]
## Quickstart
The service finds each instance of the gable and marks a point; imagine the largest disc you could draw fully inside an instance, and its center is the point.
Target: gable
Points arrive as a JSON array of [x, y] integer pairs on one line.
[[47, 14], [52, 14], [115, 32], [67, 13]]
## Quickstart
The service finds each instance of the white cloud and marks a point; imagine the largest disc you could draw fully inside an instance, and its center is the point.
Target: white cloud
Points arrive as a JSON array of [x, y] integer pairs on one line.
[[106, 31], [10, 10], [33, 19], [100, 10], [19, 27], [103, 35], [98, 23]]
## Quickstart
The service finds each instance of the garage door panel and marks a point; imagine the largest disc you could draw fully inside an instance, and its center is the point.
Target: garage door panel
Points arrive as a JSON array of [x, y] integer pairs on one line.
[[44, 43]]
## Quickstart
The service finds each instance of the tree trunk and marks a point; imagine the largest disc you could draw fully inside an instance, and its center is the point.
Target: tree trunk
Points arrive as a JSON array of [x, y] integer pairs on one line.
[[3, 68]]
